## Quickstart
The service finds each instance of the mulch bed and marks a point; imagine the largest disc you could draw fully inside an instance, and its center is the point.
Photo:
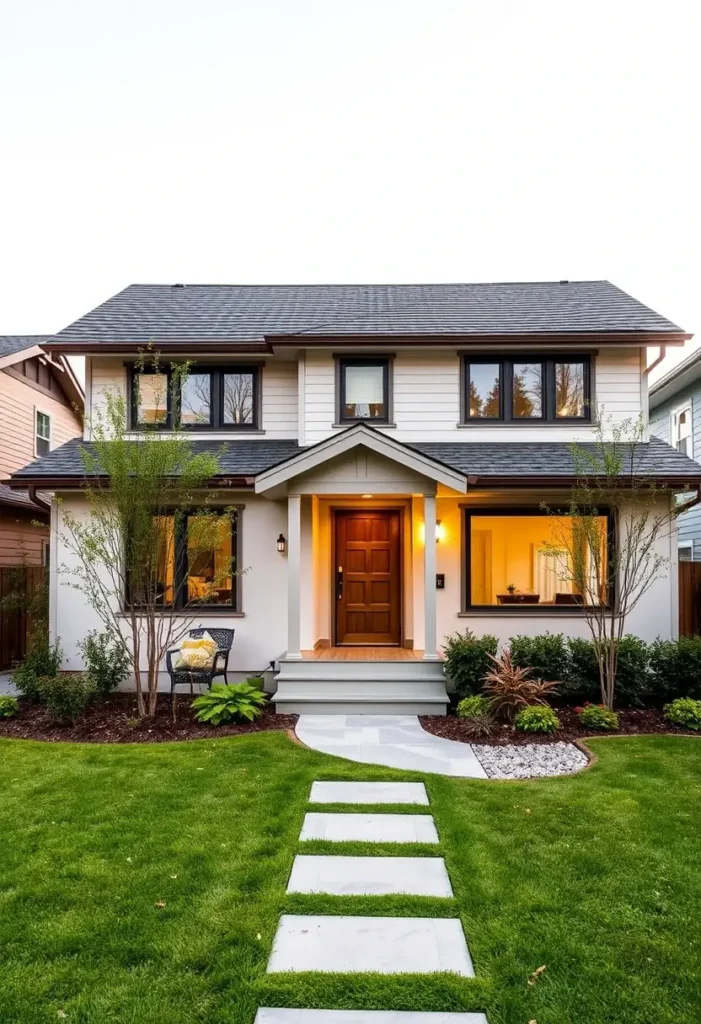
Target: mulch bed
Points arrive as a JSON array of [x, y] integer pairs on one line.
[[631, 723], [115, 720]]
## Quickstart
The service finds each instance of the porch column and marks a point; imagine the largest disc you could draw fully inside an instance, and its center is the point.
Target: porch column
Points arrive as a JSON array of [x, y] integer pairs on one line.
[[430, 652], [294, 559]]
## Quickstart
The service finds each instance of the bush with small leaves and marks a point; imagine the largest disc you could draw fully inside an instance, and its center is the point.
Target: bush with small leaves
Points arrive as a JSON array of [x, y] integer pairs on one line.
[[106, 659], [467, 660], [474, 706], [229, 702], [685, 712], [9, 706], [537, 718], [597, 716], [675, 668], [546, 655], [42, 659], [66, 696]]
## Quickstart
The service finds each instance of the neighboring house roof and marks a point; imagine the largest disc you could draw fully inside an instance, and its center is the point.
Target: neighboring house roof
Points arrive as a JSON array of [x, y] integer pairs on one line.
[[252, 317], [20, 499], [679, 378], [512, 462], [14, 348], [12, 343]]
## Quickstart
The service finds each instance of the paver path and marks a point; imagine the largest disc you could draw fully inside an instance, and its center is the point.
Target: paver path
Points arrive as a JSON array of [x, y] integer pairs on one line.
[[266, 1016], [370, 876], [370, 828], [396, 741]]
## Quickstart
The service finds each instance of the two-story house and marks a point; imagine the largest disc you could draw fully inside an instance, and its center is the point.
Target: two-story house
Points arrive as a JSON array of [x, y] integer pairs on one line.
[[390, 448], [675, 417], [41, 407]]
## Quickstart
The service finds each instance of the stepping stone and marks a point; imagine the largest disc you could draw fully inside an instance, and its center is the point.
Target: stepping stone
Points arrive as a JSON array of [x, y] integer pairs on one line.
[[369, 793], [266, 1016], [370, 828], [387, 945], [370, 876]]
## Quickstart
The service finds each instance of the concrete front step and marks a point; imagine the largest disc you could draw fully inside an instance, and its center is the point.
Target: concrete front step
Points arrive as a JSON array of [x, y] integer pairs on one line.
[[361, 688], [270, 1016], [386, 945]]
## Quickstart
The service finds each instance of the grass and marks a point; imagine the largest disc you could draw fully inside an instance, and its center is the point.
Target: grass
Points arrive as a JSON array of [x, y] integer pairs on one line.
[[596, 876]]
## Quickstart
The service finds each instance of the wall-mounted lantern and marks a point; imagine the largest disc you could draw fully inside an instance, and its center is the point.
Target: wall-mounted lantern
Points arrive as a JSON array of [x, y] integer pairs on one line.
[[281, 544]]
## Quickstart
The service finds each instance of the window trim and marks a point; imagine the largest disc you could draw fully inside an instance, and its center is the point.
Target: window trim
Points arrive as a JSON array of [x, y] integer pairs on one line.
[[526, 609], [37, 413], [180, 606], [216, 373], [673, 423], [386, 361], [506, 361], [689, 545]]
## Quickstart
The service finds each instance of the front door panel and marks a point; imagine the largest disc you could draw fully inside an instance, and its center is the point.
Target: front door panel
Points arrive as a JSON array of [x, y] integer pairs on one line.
[[368, 584]]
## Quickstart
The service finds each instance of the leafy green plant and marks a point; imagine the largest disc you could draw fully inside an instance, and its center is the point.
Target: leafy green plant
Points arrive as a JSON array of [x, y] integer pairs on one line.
[[474, 706], [228, 702], [632, 672], [106, 659], [537, 718], [546, 655], [510, 687], [582, 683], [67, 695], [675, 668], [42, 659], [467, 660], [685, 712], [9, 706], [597, 716]]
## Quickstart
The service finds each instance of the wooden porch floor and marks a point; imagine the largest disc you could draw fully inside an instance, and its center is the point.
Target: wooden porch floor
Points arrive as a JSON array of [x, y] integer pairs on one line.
[[362, 654]]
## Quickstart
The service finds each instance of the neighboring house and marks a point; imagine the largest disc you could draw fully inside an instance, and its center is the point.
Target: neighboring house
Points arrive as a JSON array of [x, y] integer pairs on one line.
[[41, 407], [389, 448], [675, 417]]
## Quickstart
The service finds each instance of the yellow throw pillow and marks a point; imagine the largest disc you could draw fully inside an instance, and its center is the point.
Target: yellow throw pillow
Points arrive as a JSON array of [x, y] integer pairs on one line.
[[197, 654]]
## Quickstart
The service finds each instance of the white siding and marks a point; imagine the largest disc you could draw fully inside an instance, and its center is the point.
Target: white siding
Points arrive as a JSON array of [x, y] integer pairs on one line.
[[427, 398], [279, 399]]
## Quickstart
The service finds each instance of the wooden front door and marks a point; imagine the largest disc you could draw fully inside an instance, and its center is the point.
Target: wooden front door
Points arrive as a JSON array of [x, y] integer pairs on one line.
[[368, 577]]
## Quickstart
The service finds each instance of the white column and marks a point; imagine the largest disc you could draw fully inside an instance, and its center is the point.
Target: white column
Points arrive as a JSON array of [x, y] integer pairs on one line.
[[430, 651], [294, 558]]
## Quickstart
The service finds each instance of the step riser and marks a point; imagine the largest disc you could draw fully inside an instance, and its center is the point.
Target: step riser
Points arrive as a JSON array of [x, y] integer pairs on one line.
[[366, 689], [364, 669], [361, 707]]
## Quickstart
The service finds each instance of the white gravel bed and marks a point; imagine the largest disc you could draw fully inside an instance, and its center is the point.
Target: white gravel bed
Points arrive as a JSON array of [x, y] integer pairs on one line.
[[531, 760]]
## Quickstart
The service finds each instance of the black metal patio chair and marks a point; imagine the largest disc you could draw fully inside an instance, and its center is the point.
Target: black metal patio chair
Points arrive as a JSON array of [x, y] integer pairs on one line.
[[224, 639]]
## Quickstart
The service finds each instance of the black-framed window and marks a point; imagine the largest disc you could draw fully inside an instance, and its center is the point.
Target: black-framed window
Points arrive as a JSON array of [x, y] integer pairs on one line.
[[196, 566], [363, 390], [530, 558], [207, 398], [527, 389]]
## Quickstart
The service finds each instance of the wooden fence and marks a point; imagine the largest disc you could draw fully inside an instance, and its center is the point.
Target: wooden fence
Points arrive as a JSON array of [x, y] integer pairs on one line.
[[689, 598], [17, 584]]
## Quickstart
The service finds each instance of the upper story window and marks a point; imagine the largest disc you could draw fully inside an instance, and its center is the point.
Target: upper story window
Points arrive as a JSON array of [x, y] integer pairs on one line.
[[212, 398], [681, 430], [363, 390], [43, 433], [526, 390]]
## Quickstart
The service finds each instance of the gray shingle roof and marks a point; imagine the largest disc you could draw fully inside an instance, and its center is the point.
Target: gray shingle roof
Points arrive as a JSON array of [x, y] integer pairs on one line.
[[249, 313], [10, 343], [484, 460]]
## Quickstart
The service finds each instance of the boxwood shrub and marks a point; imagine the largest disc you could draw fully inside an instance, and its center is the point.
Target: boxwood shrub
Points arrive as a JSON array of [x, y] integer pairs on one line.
[[467, 660]]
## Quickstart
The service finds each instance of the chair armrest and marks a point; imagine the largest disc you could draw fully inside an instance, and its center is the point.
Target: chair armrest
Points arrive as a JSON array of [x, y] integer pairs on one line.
[[169, 663]]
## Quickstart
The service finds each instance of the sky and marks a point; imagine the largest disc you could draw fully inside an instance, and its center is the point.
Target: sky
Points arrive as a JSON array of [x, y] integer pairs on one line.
[[307, 141]]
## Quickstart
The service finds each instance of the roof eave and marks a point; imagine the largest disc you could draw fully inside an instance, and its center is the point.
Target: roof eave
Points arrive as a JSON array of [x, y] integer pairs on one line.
[[65, 346], [535, 339]]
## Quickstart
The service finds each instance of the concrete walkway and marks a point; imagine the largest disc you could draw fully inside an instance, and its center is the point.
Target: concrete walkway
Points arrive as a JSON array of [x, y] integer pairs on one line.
[[393, 741]]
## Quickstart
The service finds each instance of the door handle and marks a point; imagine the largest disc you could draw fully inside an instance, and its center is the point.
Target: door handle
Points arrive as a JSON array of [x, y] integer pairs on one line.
[[339, 582]]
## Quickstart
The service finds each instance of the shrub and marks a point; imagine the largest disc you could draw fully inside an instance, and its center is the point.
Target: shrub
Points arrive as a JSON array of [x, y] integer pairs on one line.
[[633, 675], [510, 687], [547, 655], [597, 716], [685, 712], [67, 695], [467, 660], [106, 659], [537, 718], [582, 682], [474, 706], [228, 702], [675, 668], [42, 659], [9, 706]]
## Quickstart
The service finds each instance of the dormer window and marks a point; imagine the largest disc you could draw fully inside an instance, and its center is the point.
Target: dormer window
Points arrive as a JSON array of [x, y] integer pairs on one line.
[[363, 390], [208, 398], [527, 390]]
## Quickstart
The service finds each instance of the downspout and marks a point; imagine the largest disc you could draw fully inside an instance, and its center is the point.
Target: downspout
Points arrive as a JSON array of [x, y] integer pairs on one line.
[[655, 362], [33, 496]]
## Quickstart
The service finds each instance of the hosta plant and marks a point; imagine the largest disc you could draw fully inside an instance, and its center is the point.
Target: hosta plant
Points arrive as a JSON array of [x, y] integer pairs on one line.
[[510, 687], [9, 706], [597, 716], [229, 702], [685, 712], [537, 718]]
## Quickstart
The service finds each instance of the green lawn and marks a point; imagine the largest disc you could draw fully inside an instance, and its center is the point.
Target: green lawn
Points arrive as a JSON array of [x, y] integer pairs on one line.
[[597, 876]]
